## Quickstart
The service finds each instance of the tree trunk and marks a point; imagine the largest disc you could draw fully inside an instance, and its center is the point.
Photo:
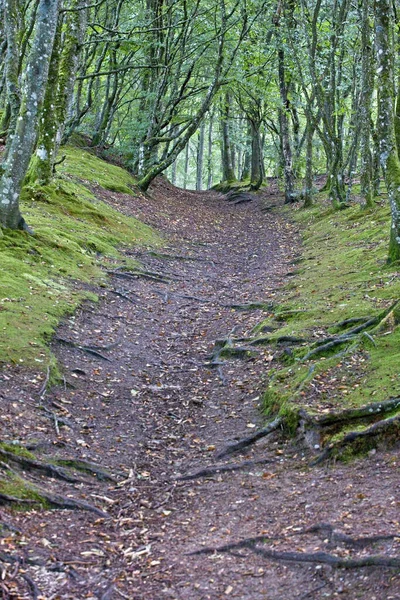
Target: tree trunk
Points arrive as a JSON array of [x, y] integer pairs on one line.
[[308, 184], [228, 172], [287, 158], [246, 171], [209, 152], [367, 84], [12, 33], [386, 114], [256, 169], [14, 169], [200, 156], [186, 167], [59, 91]]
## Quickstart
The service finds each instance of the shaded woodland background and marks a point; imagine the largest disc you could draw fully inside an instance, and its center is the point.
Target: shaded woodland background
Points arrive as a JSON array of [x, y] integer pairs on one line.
[[205, 92]]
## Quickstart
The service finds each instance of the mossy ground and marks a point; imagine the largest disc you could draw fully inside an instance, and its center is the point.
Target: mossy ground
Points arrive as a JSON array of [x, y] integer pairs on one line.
[[41, 276], [342, 274]]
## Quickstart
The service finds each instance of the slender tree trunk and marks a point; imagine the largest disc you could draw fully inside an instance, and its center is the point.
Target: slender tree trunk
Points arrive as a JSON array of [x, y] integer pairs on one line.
[[308, 184], [246, 171], [12, 12], [256, 170], [227, 166], [287, 156], [366, 174], [209, 151], [14, 169], [173, 173], [387, 138], [186, 167], [200, 157]]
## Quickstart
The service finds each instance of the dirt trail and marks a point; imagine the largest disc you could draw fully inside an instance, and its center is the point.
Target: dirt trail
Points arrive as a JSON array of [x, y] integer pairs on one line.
[[153, 411]]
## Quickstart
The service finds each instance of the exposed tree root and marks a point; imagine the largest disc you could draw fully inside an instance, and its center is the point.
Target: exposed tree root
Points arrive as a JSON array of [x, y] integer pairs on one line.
[[225, 348], [149, 275], [327, 530], [326, 347], [53, 500], [303, 557], [368, 411], [87, 349], [330, 559], [165, 256], [7, 499], [33, 465], [86, 467], [378, 324], [252, 439], [351, 321], [33, 588], [123, 295], [360, 438], [216, 470], [267, 306]]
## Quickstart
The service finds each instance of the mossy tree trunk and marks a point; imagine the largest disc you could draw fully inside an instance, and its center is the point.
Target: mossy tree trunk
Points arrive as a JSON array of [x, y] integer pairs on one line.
[[12, 32], [308, 182], [256, 176], [14, 168], [59, 90], [386, 119]]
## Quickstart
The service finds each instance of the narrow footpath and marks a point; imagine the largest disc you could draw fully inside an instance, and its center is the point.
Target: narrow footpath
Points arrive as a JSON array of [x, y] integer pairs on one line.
[[148, 405]]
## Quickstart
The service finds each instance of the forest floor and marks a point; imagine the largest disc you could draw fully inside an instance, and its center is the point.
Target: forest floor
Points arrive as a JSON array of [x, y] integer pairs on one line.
[[148, 406]]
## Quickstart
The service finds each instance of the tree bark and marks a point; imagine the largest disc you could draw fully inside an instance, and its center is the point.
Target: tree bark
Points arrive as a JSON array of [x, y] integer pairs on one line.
[[367, 82], [389, 157], [14, 169], [200, 156], [228, 171]]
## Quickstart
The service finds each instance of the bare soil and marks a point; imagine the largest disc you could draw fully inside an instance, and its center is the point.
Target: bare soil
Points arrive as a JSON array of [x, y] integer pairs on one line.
[[152, 410]]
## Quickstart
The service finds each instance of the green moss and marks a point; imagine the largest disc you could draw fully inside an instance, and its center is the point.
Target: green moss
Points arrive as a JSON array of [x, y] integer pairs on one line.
[[15, 486], [87, 168], [343, 275], [41, 276], [17, 450]]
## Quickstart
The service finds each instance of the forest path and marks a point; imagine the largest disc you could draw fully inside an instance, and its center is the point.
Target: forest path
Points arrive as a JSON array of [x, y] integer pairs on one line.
[[155, 411]]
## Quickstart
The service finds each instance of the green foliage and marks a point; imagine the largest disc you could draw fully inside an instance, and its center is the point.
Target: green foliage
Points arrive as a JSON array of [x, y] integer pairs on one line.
[[41, 275]]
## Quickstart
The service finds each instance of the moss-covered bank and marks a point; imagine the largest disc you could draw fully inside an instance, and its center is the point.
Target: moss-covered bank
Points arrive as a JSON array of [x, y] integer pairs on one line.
[[41, 276]]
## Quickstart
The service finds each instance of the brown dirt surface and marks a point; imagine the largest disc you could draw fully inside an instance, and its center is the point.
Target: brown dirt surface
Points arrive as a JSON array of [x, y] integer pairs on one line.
[[152, 410]]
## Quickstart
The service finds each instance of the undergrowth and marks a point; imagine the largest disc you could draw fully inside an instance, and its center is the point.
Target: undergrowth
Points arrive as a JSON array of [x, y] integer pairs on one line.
[[342, 274], [45, 276]]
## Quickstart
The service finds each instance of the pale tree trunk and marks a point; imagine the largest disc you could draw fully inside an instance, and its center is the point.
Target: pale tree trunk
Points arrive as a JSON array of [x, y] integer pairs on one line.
[[287, 155], [200, 156], [15, 167], [173, 173], [367, 86], [209, 152], [228, 172], [186, 166], [247, 154], [386, 114], [308, 184], [12, 18], [59, 91]]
